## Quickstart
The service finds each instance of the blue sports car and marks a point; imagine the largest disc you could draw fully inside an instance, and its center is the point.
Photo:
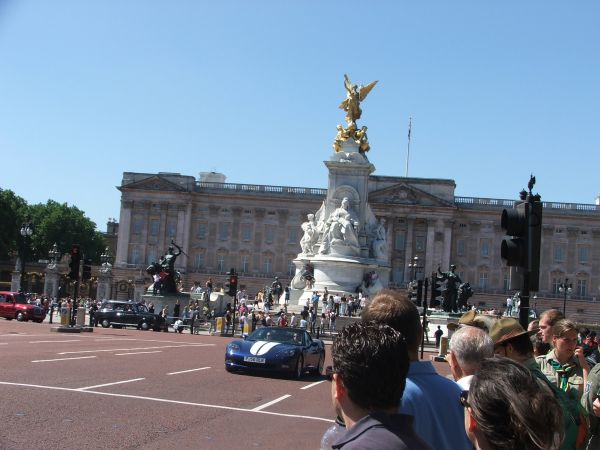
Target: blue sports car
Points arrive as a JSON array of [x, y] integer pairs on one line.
[[276, 349]]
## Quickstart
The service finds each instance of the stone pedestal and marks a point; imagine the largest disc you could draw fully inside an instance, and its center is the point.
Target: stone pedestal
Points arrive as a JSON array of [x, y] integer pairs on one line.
[[52, 280], [105, 280], [341, 269]]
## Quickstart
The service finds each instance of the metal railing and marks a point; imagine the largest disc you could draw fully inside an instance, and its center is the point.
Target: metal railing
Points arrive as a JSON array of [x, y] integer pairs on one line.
[[251, 188], [494, 203]]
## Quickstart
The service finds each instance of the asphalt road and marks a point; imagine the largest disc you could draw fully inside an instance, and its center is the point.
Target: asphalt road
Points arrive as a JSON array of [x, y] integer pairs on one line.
[[131, 389], [120, 388]]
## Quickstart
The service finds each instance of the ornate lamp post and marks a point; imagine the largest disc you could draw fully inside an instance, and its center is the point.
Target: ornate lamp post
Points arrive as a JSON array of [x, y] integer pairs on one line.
[[414, 267], [26, 232], [565, 288], [54, 254]]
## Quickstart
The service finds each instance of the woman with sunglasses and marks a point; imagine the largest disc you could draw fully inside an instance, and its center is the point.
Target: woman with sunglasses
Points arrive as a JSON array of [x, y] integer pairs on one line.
[[508, 407]]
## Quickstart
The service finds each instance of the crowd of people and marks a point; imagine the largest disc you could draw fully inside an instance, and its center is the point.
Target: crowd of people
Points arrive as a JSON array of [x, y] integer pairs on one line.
[[507, 392]]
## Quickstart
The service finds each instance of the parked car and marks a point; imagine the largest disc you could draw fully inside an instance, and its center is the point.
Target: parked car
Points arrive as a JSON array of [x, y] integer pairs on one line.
[[119, 313], [13, 305], [276, 349]]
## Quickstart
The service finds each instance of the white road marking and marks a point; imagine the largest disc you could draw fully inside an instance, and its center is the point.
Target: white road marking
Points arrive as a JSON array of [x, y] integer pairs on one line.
[[63, 359], [266, 405], [186, 371], [137, 353], [113, 339], [137, 348], [312, 384], [164, 400], [3, 343], [52, 342], [109, 384]]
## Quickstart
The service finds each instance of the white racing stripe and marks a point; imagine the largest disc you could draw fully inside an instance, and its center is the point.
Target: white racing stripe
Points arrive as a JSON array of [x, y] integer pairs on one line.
[[164, 400], [53, 342], [261, 347]]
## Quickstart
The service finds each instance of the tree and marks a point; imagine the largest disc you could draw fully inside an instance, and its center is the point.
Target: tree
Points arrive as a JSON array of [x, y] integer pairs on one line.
[[52, 222], [65, 225], [13, 211]]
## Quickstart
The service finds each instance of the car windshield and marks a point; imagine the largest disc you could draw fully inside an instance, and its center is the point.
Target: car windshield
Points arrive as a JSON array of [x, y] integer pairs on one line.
[[292, 337], [20, 298], [142, 308]]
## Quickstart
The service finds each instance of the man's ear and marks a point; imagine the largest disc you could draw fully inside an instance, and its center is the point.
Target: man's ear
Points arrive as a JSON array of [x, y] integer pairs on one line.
[[338, 386], [472, 421]]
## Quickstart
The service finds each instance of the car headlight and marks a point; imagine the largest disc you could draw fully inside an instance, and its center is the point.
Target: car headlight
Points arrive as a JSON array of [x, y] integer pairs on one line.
[[286, 353], [233, 347]]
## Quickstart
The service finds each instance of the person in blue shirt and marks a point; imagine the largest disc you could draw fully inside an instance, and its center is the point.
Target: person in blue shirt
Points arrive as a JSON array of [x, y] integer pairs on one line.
[[432, 399], [370, 363]]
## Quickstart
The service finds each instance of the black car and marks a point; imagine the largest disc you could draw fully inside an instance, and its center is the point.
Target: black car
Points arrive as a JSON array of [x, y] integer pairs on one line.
[[120, 313]]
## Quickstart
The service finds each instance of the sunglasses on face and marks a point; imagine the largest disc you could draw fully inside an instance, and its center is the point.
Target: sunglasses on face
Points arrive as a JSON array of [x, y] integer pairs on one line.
[[464, 395], [329, 373]]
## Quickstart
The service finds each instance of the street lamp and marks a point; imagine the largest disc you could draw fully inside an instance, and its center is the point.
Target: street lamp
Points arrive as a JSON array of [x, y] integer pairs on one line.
[[26, 232], [414, 267], [565, 289], [54, 254]]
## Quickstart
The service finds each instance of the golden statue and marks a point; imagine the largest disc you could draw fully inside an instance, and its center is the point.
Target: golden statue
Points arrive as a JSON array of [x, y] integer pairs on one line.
[[354, 95]]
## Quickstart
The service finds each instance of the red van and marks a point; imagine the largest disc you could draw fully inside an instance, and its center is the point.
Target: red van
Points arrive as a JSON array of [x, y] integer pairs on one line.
[[13, 305]]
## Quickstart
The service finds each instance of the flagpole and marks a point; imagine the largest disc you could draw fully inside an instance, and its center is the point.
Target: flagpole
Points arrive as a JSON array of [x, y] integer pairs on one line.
[[408, 152]]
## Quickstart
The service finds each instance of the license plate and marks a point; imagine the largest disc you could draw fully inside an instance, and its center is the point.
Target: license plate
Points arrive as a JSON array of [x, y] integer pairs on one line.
[[254, 359]]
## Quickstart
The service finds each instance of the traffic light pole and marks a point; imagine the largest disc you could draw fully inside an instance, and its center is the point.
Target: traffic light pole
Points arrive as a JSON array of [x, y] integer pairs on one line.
[[426, 285], [524, 302]]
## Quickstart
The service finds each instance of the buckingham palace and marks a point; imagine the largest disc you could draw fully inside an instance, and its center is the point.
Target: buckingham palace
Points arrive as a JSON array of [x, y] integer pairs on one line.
[[257, 228]]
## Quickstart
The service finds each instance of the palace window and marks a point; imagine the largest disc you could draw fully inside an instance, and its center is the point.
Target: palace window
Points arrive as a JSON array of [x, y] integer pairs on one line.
[[221, 263], [171, 229], [584, 255], [483, 280], [224, 231], [138, 225], [400, 241], [154, 227], [460, 247], [420, 244], [485, 248], [269, 234], [199, 261], [582, 288], [245, 264], [559, 254], [268, 264], [201, 231], [246, 232]]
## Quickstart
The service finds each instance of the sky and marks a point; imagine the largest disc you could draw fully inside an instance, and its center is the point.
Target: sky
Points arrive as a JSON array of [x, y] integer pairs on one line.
[[251, 89]]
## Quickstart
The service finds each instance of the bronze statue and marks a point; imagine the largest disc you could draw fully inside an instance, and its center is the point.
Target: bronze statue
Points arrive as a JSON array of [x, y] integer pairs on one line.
[[450, 293], [168, 277], [354, 95]]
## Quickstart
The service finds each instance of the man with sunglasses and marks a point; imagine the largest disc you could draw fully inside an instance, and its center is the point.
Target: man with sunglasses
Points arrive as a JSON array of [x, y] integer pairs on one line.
[[370, 364]]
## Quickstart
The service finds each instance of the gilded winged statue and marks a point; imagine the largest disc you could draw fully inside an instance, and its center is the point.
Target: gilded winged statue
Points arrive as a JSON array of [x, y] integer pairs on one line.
[[354, 95]]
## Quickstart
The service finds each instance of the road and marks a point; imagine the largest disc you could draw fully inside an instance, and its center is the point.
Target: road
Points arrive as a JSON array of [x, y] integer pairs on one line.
[[134, 389], [131, 389]]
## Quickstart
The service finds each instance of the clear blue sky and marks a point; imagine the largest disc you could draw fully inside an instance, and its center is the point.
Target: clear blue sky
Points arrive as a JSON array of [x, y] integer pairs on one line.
[[90, 89]]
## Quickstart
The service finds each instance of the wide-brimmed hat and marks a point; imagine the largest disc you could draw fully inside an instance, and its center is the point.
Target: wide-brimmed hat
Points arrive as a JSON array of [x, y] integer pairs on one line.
[[506, 329]]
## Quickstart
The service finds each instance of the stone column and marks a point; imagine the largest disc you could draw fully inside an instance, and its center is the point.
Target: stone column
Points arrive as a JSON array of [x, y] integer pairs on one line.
[[430, 248], [408, 246], [105, 281], [52, 280], [447, 249], [121, 258]]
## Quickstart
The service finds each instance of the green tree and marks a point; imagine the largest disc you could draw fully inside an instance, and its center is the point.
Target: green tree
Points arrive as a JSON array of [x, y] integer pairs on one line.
[[64, 225], [13, 211]]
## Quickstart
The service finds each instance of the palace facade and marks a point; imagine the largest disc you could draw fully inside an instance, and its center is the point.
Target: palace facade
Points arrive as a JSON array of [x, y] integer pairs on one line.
[[257, 229]]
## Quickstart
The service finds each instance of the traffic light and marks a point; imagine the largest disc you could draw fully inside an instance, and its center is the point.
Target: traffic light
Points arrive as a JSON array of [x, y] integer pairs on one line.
[[522, 249], [436, 291], [74, 263], [86, 273], [232, 283]]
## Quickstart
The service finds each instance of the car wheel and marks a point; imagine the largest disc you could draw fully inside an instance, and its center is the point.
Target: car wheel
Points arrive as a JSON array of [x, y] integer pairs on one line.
[[319, 368], [144, 326], [20, 317], [228, 368], [299, 367], [105, 323]]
